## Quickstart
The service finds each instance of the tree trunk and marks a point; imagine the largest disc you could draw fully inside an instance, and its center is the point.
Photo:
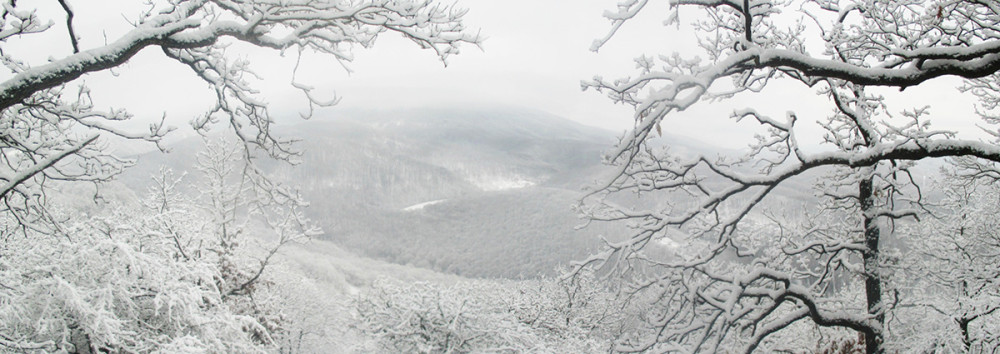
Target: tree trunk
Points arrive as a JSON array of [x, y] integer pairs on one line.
[[873, 276], [963, 324]]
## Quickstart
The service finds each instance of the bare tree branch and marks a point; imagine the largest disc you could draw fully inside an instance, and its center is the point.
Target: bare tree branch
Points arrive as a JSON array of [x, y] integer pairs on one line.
[[69, 25], [24, 175]]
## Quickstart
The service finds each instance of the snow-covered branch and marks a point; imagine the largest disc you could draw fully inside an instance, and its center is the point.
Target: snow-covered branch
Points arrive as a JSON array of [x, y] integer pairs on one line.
[[44, 117], [697, 219]]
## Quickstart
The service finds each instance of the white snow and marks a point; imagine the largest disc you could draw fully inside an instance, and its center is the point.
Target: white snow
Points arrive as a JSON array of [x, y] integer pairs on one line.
[[668, 243], [421, 206], [499, 183]]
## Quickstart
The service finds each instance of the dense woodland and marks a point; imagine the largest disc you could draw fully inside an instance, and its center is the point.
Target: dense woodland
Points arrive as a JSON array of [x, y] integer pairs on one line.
[[500, 230]]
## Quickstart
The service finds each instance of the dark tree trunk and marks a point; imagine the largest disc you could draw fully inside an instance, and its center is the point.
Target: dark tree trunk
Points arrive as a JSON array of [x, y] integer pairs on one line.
[[873, 276], [963, 323]]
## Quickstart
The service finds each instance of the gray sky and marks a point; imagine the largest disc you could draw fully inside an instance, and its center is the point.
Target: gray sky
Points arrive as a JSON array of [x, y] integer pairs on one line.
[[535, 55]]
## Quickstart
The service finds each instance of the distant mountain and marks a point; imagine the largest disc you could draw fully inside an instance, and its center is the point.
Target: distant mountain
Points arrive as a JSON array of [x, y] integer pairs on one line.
[[473, 192], [484, 193], [415, 156]]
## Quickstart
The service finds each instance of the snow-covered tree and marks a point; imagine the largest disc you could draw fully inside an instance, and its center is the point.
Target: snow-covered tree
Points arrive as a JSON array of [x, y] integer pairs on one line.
[[955, 265], [124, 280], [54, 131], [249, 219], [746, 275], [170, 277], [178, 271], [485, 316], [241, 201]]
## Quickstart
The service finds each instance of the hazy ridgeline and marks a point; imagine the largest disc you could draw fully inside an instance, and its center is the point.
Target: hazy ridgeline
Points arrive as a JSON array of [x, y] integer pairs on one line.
[[838, 219], [501, 183]]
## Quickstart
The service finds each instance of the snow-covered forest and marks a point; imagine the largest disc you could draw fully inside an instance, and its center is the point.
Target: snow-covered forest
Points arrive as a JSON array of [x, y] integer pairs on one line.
[[804, 176]]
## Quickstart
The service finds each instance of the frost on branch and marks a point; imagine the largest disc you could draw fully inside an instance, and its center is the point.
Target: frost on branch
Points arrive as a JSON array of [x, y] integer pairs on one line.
[[138, 283], [753, 269], [486, 316], [120, 284], [956, 275], [167, 273], [53, 131]]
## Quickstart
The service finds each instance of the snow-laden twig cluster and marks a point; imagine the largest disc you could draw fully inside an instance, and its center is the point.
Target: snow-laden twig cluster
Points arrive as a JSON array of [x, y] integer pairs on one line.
[[154, 281], [745, 276], [52, 129]]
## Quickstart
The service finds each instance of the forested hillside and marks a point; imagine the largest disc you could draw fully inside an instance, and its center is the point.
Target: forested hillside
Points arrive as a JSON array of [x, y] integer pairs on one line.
[[785, 176], [500, 185]]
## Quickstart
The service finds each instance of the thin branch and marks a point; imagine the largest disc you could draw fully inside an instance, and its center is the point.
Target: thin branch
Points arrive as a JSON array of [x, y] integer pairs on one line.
[[69, 25], [24, 175]]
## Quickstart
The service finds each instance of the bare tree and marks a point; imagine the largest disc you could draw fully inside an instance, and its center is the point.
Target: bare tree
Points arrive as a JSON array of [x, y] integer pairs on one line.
[[483, 316], [53, 132], [739, 280], [956, 265], [161, 275], [130, 279], [241, 201]]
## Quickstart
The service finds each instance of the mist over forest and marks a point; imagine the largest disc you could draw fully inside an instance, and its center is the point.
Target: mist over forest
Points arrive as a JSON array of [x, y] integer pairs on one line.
[[422, 176], [485, 193]]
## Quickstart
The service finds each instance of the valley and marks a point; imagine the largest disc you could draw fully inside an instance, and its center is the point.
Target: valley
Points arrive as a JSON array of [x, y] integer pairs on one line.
[[479, 193]]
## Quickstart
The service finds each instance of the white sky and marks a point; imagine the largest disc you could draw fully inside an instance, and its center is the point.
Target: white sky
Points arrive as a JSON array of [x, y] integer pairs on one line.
[[535, 55]]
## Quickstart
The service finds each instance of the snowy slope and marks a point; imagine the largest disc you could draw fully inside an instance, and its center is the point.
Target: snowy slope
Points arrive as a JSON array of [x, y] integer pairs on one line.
[[504, 182]]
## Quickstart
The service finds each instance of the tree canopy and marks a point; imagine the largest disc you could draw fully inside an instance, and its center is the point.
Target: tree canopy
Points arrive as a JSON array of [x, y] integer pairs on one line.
[[171, 273], [745, 274], [53, 126]]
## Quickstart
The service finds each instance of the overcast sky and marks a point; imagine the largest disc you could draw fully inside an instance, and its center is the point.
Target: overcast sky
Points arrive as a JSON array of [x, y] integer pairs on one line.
[[535, 54]]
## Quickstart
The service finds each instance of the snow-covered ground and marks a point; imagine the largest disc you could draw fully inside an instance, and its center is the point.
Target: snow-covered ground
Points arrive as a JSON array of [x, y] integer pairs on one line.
[[421, 206], [499, 183]]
